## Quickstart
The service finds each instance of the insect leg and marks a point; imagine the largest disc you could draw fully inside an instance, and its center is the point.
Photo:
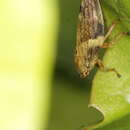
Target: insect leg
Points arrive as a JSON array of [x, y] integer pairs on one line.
[[117, 37], [103, 68], [111, 29]]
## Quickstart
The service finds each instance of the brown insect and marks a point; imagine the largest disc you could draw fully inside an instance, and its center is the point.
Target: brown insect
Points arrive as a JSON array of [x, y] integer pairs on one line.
[[91, 37]]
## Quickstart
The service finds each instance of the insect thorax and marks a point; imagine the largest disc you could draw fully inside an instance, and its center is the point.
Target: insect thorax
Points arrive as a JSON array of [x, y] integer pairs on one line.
[[87, 55]]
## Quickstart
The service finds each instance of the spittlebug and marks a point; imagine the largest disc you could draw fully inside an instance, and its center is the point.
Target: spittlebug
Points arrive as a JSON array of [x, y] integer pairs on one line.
[[91, 37]]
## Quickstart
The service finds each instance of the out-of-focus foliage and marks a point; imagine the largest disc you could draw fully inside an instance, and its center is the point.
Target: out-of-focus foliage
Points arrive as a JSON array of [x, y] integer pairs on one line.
[[27, 42]]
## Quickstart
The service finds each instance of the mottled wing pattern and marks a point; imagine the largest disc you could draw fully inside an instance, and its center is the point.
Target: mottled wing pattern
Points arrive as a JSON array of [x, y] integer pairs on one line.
[[90, 36], [90, 24]]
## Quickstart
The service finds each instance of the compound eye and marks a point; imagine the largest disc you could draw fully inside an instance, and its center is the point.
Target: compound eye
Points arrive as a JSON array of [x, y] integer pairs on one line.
[[84, 74]]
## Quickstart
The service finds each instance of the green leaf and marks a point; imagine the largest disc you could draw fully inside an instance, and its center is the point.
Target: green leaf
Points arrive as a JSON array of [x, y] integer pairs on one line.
[[111, 95]]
